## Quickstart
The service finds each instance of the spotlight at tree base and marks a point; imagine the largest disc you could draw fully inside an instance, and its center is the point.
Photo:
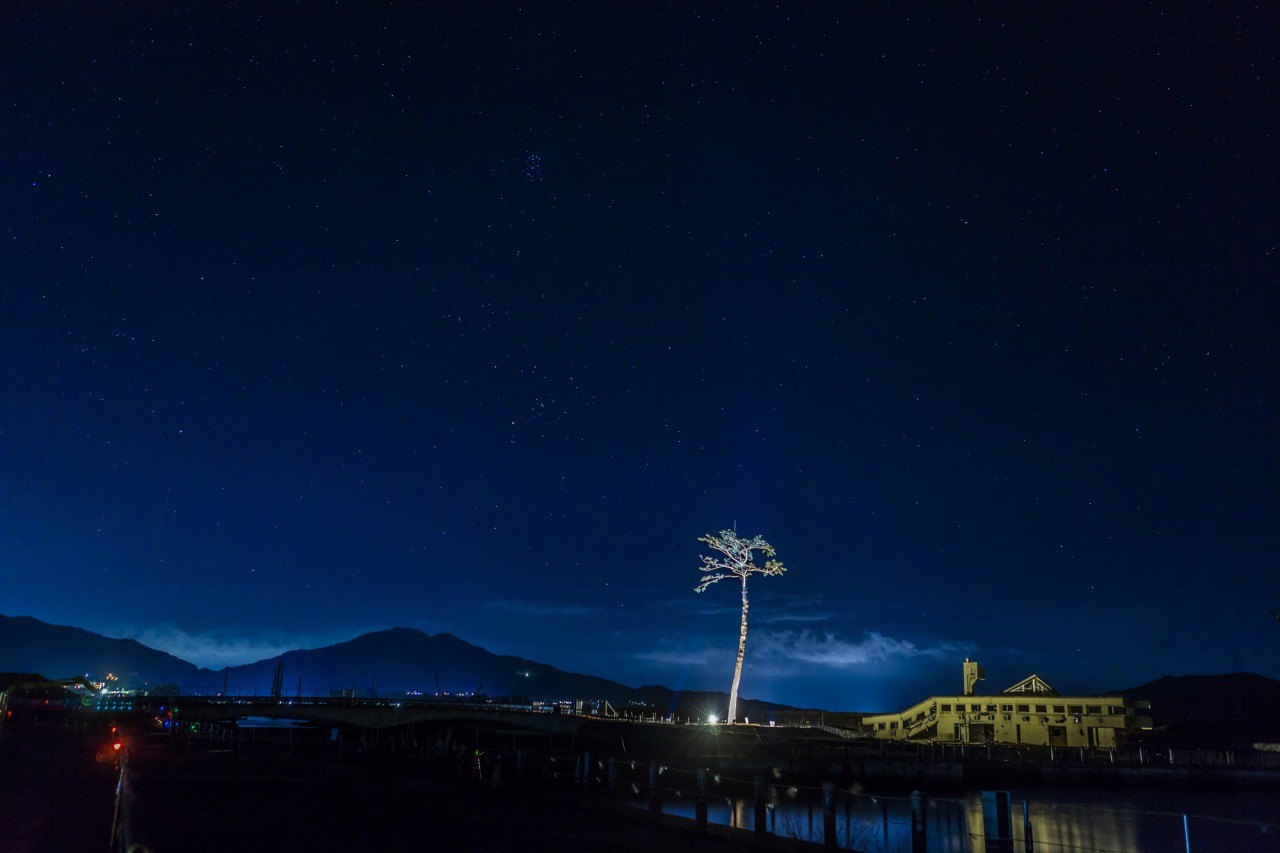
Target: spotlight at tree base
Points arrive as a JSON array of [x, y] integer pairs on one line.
[[711, 719]]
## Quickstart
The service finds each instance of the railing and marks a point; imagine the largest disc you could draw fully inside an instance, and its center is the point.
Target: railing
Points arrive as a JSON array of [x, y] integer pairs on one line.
[[122, 836], [838, 732]]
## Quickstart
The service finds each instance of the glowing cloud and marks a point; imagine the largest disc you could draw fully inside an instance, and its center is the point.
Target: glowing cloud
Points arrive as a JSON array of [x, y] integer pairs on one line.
[[216, 648], [828, 649]]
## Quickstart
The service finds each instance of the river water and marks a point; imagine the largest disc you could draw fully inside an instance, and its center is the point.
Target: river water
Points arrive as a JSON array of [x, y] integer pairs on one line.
[[1123, 821]]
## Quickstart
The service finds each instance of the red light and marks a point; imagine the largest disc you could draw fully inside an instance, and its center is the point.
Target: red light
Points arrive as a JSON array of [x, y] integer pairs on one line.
[[115, 745]]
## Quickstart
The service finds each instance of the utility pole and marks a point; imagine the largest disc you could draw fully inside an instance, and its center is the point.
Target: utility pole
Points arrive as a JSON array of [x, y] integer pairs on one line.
[[277, 683]]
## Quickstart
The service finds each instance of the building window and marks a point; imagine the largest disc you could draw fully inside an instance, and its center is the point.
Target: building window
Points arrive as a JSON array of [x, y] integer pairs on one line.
[[1117, 709], [1093, 709], [946, 709], [1042, 709], [975, 707], [991, 708], [1006, 707], [1059, 709], [893, 724], [1023, 709], [880, 726], [1075, 709]]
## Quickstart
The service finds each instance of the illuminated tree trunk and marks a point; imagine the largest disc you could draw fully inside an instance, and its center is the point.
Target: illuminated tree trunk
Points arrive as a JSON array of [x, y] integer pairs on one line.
[[742, 651], [736, 563]]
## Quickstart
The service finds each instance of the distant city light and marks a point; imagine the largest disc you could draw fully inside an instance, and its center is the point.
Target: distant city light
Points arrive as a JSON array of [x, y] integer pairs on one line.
[[711, 718]]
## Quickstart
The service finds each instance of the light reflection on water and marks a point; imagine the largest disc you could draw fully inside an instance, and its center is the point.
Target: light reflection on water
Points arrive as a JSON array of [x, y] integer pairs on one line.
[[1061, 820]]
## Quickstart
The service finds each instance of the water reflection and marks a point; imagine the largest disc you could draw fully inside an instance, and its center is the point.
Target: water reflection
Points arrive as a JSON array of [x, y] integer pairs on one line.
[[1100, 826], [1061, 820]]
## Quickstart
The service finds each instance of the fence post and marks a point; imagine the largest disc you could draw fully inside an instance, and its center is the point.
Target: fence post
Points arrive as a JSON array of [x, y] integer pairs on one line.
[[1027, 842], [761, 829], [919, 841], [1186, 832], [655, 796], [701, 818], [829, 815]]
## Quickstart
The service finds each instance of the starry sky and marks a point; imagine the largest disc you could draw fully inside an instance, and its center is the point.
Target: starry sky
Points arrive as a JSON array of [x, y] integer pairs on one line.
[[319, 318]]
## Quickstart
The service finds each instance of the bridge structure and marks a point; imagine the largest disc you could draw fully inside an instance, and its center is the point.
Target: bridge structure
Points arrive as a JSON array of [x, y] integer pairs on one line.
[[365, 713]]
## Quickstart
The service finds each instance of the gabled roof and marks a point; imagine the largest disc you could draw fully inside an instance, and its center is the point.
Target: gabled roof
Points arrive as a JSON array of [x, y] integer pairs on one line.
[[1033, 684]]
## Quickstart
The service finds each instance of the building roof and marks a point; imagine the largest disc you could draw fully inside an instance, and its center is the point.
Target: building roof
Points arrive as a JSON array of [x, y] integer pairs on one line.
[[1033, 684]]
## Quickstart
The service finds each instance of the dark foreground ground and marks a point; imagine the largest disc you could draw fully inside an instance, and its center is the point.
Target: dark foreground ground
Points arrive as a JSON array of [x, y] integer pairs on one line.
[[55, 796], [321, 809]]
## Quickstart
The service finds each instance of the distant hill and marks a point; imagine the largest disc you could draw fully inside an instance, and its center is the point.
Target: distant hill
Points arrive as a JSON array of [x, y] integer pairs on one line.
[[1235, 708], [58, 651], [401, 659], [390, 662]]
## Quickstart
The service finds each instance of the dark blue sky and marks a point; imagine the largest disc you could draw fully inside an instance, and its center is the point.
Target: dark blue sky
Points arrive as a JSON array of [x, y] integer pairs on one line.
[[472, 317]]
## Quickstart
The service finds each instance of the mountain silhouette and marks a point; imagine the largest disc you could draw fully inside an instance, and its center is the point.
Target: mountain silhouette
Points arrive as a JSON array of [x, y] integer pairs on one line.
[[59, 651], [404, 659], [390, 663], [1237, 707]]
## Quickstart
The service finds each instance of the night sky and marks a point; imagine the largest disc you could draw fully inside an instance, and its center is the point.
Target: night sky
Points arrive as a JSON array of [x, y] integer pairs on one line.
[[321, 318]]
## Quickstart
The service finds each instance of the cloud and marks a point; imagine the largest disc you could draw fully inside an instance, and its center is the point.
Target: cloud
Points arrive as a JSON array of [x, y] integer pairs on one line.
[[766, 609], [829, 649], [787, 652], [681, 657], [219, 647], [529, 608], [795, 617]]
